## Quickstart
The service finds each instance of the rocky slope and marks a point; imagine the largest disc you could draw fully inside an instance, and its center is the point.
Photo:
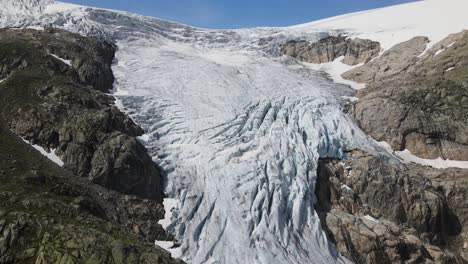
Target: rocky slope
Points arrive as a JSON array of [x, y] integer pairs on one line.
[[353, 51], [60, 106], [378, 212], [421, 99], [50, 214]]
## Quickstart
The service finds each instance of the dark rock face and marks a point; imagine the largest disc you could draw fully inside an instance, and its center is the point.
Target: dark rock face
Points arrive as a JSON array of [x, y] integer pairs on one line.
[[392, 62], [355, 51], [60, 107], [91, 59], [49, 216], [381, 213], [421, 100]]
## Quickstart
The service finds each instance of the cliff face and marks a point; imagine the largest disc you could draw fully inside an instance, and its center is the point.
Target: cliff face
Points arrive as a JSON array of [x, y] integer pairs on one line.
[[376, 211], [58, 104], [51, 95], [354, 51], [421, 100]]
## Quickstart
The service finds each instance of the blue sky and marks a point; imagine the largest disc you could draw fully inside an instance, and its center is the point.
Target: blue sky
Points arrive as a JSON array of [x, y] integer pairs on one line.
[[240, 13]]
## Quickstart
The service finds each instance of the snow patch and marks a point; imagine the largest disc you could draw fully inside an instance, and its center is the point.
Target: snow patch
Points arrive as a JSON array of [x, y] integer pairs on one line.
[[335, 69], [407, 157], [169, 206], [175, 250], [347, 188], [439, 51], [38, 28], [68, 62], [144, 137], [449, 69], [439, 163], [50, 155], [350, 98], [370, 218], [118, 103]]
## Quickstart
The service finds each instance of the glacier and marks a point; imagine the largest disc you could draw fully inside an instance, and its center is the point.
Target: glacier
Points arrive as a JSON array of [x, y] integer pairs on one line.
[[237, 128]]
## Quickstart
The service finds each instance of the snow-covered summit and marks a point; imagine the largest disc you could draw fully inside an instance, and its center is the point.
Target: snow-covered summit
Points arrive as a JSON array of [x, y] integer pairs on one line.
[[237, 128], [435, 19]]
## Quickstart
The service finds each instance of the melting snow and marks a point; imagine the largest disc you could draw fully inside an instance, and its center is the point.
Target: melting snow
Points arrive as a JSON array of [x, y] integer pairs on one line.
[[335, 69], [370, 218], [169, 246], [38, 28], [407, 157], [169, 205], [50, 155], [439, 51], [439, 163], [68, 62], [347, 188]]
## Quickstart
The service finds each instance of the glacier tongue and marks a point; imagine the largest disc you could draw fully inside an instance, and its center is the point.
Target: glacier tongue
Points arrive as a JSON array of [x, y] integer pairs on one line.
[[239, 134], [237, 129]]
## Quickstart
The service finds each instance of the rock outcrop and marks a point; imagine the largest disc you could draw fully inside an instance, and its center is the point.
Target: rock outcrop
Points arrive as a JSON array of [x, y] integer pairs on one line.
[[48, 215], [421, 98], [59, 106], [376, 212], [51, 95], [354, 51]]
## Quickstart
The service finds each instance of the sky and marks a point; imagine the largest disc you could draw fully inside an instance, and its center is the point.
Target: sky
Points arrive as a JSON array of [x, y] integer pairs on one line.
[[224, 14]]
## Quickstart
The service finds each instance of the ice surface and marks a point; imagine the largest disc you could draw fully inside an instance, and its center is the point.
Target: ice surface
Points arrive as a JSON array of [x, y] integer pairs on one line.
[[239, 135], [50, 155], [238, 128]]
